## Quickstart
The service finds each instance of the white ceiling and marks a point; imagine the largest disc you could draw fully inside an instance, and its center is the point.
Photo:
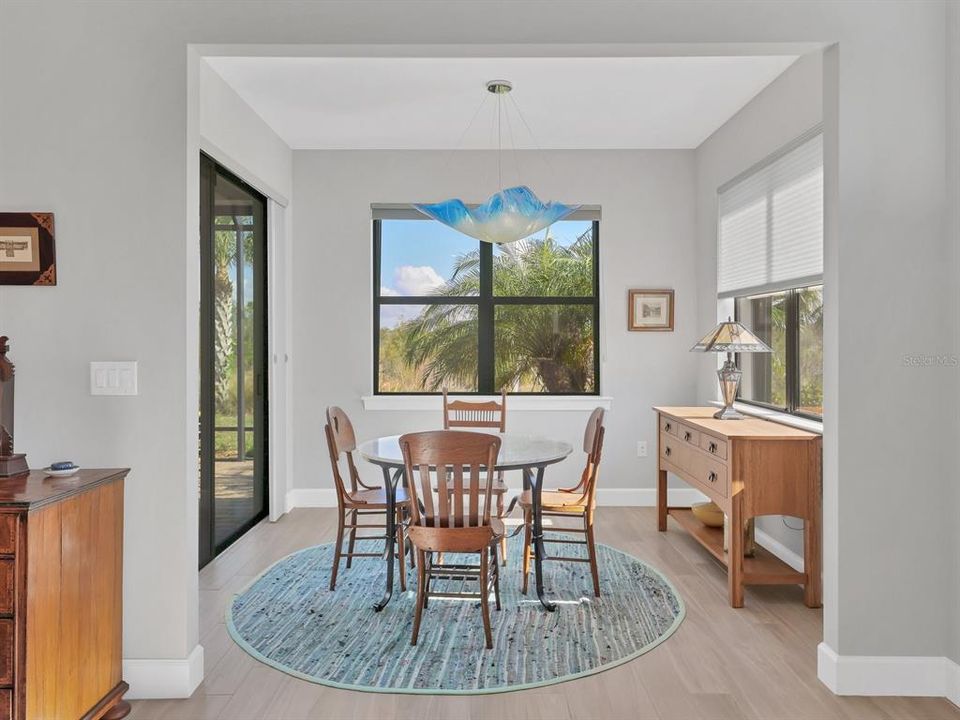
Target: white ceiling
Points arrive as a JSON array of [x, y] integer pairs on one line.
[[569, 103]]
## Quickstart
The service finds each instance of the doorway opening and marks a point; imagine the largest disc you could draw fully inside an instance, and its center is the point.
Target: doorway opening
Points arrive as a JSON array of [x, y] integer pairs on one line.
[[233, 358]]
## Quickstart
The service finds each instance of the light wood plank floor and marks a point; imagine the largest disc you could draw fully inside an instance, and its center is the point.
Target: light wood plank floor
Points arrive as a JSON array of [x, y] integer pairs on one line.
[[757, 663]]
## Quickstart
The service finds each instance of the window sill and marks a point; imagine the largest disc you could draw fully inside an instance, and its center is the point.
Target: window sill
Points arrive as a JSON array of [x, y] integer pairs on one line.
[[515, 403], [814, 426]]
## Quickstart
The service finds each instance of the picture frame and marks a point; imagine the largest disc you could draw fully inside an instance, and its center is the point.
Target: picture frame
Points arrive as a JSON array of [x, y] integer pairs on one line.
[[650, 310], [27, 249]]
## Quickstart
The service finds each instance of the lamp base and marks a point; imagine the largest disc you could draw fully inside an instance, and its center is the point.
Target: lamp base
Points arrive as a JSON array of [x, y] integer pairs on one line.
[[727, 413]]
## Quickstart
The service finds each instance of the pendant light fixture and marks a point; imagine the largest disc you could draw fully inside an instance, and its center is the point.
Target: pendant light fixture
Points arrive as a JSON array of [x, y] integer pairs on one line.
[[509, 215]]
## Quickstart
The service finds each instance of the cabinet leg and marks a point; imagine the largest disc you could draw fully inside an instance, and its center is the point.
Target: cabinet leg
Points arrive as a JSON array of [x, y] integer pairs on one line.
[[812, 566], [735, 554], [662, 500]]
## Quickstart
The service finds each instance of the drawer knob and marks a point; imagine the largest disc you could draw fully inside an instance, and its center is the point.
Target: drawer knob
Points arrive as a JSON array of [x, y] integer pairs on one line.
[[667, 426], [686, 436], [712, 447], [667, 451], [712, 476]]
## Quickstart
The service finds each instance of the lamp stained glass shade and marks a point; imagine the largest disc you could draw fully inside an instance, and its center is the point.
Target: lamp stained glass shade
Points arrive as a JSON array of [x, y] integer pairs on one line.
[[508, 216], [730, 336]]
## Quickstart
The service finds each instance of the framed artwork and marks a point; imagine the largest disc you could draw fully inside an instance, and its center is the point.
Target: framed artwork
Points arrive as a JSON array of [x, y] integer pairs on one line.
[[650, 310], [27, 249]]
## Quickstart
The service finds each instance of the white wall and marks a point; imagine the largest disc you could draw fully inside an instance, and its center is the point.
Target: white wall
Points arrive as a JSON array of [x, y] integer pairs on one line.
[[790, 105], [646, 240], [953, 238], [98, 126]]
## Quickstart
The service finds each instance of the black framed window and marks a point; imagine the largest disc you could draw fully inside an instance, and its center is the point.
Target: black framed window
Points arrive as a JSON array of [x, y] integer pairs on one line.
[[456, 313], [790, 378]]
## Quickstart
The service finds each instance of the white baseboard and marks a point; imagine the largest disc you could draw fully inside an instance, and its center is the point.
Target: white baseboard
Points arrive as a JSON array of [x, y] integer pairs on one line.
[[311, 498], [647, 497], [778, 549], [609, 497], [893, 675], [159, 679]]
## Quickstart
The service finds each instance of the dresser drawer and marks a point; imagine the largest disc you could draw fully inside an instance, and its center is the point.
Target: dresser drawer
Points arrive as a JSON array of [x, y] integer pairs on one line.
[[714, 446], [6, 704], [668, 425], [7, 636], [7, 585], [8, 534], [689, 435]]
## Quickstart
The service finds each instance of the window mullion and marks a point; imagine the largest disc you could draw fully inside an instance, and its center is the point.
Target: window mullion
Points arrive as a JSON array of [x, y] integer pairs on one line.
[[485, 321], [793, 350]]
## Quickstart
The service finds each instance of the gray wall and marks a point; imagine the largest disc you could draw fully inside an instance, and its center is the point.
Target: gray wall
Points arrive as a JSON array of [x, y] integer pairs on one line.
[[953, 236], [790, 105], [646, 240], [98, 126]]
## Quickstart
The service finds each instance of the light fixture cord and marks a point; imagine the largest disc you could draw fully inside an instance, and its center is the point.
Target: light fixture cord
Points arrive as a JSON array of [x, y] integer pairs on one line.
[[499, 145]]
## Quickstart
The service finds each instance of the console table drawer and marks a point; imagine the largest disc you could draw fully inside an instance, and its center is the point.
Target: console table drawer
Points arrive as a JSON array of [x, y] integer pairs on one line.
[[668, 426], [7, 638], [714, 446], [711, 473], [689, 435], [8, 534], [7, 586]]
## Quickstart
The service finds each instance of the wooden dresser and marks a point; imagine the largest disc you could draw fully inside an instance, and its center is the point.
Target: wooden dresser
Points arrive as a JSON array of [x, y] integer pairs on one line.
[[748, 467], [61, 567]]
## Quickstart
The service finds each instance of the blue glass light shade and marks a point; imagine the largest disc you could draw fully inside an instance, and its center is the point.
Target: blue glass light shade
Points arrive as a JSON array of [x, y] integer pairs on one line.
[[508, 216]]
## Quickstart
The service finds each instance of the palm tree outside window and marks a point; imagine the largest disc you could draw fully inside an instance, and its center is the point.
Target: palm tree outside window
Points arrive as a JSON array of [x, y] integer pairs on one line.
[[453, 312]]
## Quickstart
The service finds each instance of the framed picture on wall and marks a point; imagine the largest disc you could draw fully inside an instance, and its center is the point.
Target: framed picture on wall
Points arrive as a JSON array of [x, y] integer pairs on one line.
[[650, 310], [27, 250]]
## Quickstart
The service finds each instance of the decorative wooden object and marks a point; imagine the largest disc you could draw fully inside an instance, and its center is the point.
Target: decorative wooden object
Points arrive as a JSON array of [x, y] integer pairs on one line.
[[576, 502], [61, 567], [27, 249], [359, 503], [456, 514], [748, 467], [11, 463]]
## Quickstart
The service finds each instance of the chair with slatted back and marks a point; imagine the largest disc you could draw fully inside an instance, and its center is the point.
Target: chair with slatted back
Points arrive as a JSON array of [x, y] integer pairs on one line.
[[358, 500], [449, 478], [489, 414], [576, 502]]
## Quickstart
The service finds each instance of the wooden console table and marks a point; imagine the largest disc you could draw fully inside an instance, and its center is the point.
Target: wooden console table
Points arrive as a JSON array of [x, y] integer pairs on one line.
[[748, 467], [61, 570]]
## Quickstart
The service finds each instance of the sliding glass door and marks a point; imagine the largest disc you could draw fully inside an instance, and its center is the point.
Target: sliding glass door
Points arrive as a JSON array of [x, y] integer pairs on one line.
[[233, 380]]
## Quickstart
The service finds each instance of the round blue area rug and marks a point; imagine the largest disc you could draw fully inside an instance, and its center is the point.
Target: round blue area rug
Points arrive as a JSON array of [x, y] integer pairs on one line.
[[289, 619]]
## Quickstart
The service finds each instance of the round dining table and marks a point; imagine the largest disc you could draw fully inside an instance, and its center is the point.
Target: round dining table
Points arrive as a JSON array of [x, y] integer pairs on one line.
[[530, 454]]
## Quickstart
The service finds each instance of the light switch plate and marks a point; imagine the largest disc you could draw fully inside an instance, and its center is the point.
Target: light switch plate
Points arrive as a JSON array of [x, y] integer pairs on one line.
[[113, 378]]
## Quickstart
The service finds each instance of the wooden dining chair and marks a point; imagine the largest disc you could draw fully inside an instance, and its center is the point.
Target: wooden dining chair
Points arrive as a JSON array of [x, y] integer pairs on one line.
[[576, 502], [358, 500], [449, 478], [489, 414]]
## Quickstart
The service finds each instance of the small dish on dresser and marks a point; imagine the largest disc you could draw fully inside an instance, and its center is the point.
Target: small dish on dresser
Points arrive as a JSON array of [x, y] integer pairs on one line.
[[61, 472]]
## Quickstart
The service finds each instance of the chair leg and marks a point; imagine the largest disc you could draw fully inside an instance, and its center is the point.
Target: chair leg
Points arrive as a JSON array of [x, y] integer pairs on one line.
[[401, 560], [353, 538], [526, 550], [592, 550], [427, 559], [421, 596], [496, 574], [503, 540], [337, 550], [484, 592]]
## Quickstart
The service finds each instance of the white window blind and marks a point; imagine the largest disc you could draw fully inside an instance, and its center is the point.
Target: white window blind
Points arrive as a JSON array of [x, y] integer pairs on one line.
[[771, 222]]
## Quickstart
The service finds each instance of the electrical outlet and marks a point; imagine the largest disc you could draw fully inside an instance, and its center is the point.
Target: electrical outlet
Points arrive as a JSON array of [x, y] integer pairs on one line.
[[641, 448]]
